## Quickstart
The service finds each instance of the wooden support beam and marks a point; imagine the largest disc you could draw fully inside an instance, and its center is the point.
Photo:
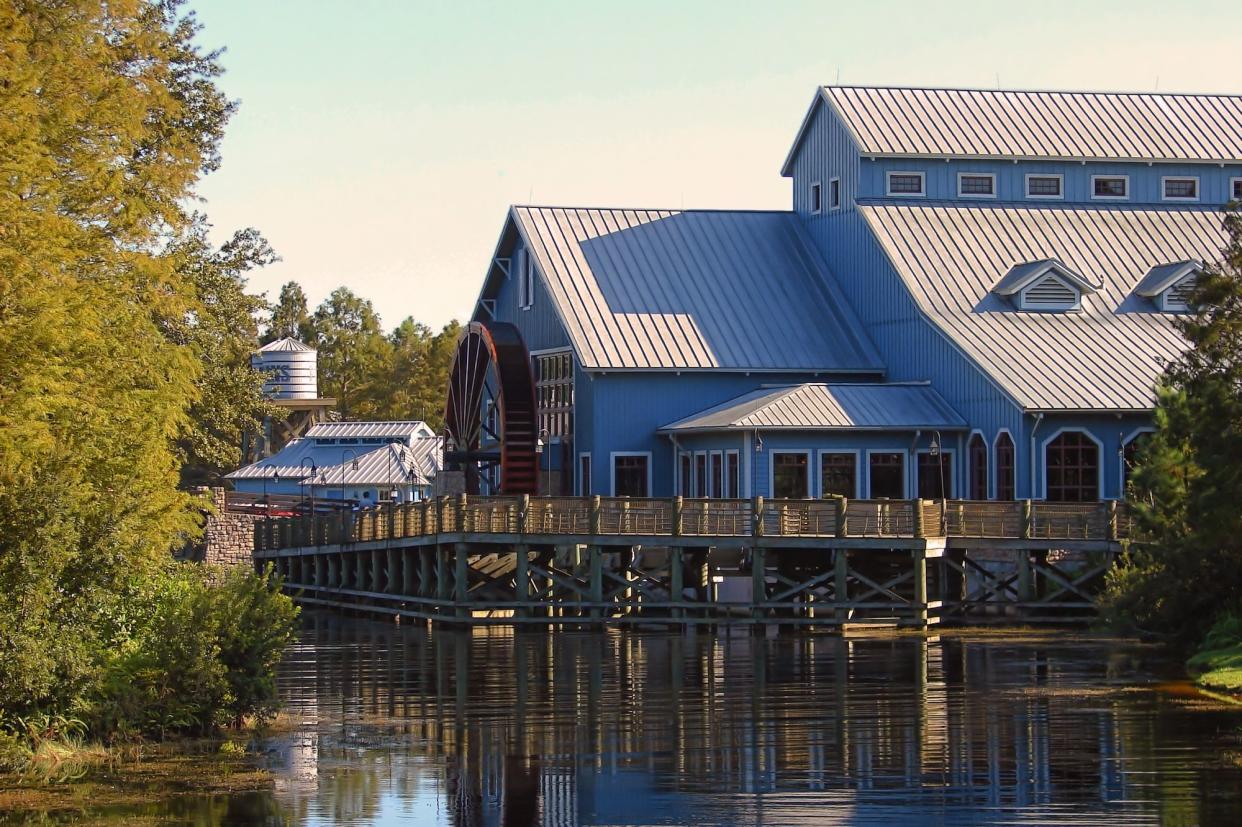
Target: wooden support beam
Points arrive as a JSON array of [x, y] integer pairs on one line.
[[521, 576], [461, 579], [920, 586], [676, 576], [758, 577], [595, 555]]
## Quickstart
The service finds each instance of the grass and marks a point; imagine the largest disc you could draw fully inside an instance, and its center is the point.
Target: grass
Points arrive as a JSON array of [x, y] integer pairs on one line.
[[1219, 669]]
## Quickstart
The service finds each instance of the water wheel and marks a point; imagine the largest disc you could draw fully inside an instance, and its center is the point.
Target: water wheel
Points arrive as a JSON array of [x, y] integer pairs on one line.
[[489, 416]]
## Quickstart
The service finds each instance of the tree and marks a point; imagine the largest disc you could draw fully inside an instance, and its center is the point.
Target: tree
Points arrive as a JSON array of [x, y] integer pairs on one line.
[[290, 316], [1188, 481], [353, 353]]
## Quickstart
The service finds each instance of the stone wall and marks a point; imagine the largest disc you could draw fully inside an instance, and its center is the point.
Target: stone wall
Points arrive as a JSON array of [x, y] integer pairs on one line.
[[228, 539]]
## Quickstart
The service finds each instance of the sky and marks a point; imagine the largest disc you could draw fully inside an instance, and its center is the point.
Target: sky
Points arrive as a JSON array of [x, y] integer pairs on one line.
[[379, 143]]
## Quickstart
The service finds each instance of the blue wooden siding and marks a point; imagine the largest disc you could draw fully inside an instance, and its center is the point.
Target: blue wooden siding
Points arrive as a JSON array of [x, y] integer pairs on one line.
[[826, 152], [539, 324]]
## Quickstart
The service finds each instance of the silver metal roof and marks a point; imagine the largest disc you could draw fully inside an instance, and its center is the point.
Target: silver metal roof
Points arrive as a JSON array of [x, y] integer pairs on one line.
[[1111, 126], [1022, 275], [810, 407], [374, 430], [1106, 356], [660, 289], [1163, 276], [388, 464], [285, 345]]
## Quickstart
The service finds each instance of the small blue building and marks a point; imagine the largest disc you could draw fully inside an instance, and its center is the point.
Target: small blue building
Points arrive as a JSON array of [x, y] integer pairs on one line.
[[972, 296]]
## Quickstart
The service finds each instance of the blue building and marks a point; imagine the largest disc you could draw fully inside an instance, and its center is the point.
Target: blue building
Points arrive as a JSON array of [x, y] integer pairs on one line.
[[972, 296]]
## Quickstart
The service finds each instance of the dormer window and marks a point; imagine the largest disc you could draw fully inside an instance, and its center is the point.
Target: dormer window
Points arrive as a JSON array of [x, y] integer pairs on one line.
[[1180, 189], [976, 185], [905, 183], [1169, 285], [1044, 286], [1110, 186], [1045, 186]]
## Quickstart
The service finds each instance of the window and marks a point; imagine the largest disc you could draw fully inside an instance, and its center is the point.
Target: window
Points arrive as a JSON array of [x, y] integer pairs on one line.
[[977, 456], [554, 392], [631, 475], [685, 475], [1005, 468], [1049, 293], [1129, 458], [1044, 186], [815, 198], [789, 475], [700, 475], [1072, 465], [905, 183], [834, 193], [1110, 186], [1235, 189], [1180, 189], [717, 475], [935, 480], [888, 475], [976, 185], [733, 475], [838, 474], [584, 475], [526, 280]]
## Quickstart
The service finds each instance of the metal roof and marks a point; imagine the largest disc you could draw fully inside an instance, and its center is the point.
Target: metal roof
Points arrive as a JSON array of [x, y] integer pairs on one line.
[[661, 289], [405, 429], [1163, 276], [1078, 126], [389, 464], [889, 407], [1022, 275], [285, 345], [1108, 355]]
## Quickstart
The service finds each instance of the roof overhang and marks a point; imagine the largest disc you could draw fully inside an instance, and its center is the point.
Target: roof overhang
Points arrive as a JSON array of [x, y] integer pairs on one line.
[[1163, 276], [1023, 275]]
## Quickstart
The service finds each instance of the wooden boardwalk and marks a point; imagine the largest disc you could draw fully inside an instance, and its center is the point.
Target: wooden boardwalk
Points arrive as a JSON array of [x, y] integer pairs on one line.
[[599, 560]]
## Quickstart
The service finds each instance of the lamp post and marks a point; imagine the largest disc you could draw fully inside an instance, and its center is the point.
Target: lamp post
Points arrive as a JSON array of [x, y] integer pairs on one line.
[[302, 480], [938, 454], [353, 467], [541, 448]]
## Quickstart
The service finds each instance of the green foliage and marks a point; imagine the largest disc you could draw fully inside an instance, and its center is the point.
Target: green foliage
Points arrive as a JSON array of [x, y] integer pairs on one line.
[[1188, 482], [290, 317], [352, 352], [1218, 663], [204, 659]]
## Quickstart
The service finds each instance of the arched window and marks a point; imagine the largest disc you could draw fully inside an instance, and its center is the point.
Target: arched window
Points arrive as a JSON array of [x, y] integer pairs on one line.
[[977, 453], [1004, 467], [1072, 464], [1129, 458]]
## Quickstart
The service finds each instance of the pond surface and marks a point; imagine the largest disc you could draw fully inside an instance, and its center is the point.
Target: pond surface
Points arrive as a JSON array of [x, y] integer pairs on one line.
[[401, 725]]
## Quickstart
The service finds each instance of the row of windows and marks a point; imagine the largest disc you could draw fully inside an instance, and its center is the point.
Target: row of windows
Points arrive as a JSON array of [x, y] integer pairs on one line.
[[1104, 187], [834, 195], [554, 393], [711, 474]]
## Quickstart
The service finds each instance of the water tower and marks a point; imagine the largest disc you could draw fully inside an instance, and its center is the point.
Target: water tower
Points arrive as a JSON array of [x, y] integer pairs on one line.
[[292, 370]]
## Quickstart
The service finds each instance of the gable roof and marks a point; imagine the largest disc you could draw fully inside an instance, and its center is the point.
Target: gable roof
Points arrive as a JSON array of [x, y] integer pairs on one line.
[[828, 407], [1021, 276], [1163, 276], [694, 289], [399, 429], [1106, 357], [1078, 126], [388, 464]]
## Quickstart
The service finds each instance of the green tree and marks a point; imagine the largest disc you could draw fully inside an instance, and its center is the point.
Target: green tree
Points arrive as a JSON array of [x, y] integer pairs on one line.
[[419, 372], [1188, 483], [353, 353], [290, 317]]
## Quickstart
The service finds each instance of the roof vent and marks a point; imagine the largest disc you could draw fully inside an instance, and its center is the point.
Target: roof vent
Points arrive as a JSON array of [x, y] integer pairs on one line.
[[1169, 285], [1046, 285]]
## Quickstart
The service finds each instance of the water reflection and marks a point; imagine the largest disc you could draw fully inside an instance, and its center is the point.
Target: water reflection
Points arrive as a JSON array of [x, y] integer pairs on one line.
[[488, 727]]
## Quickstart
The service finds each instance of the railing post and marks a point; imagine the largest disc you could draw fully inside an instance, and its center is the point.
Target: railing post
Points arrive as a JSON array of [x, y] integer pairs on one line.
[[1028, 519], [461, 513], [843, 527], [756, 528], [595, 516], [678, 514], [1112, 520], [920, 530], [523, 513]]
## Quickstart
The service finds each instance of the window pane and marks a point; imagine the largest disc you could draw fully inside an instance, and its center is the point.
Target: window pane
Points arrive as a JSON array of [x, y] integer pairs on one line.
[[1072, 463], [717, 489], [978, 468], [1237, 189], [1181, 188], [584, 476], [700, 475], [887, 477], [733, 476], [814, 197], [834, 193], [1046, 185], [976, 185], [935, 475], [789, 476], [905, 184], [1004, 468], [630, 474], [686, 474], [838, 473], [1110, 187]]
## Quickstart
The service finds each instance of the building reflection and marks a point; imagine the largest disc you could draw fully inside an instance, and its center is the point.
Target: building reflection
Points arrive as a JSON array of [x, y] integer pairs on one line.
[[488, 727]]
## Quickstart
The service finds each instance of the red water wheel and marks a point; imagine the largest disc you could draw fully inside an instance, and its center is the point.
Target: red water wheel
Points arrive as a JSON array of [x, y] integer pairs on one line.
[[489, 417]]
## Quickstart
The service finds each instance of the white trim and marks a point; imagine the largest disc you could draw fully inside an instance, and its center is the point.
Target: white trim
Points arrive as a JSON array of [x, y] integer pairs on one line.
[[819, 468], [817, 194], [724, 474], [831, 188], [526, 281], [888, 184], [678, 477], [989, 175], [1234, 183], [953, 469], [1121, 456], [612, 468], [1026, 307], [1026, 186], [715, 456], [1125, 197], [1042, 459], [1164, 179], [583, 491], [809, 453], [987, 470], [699, 485], [994, 469], [905, 468]]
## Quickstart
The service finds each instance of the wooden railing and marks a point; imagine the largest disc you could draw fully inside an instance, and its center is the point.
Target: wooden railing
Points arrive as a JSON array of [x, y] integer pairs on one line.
[[678, 517]]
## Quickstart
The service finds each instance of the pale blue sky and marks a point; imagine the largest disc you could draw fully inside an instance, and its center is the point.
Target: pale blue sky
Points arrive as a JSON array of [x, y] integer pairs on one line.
[[379, 144]]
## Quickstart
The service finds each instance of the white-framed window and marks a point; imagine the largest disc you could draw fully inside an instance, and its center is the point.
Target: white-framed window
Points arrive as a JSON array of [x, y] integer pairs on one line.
[[906, 184], [685, 474], [976, 185], [1179, 188], [1073, 470], [715, 475], [816, 197], [834, 193], [1235, 189], [1050, 294], [631, 473], [732, 474], [840, 472], [699, 487], [584, 474], [886, 474], [934, 475], [526, 281], [1110, 187], [1045, 186], [789, 473]]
